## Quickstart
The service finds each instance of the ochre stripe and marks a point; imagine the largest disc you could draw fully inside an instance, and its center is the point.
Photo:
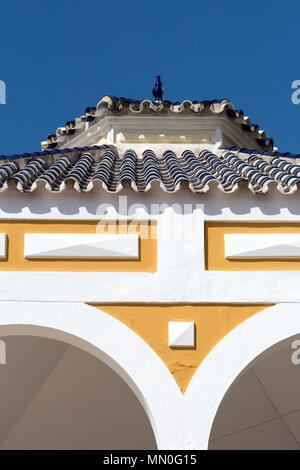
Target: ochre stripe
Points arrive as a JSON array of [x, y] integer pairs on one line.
[[212, 322], [215, 247], [15, 260]]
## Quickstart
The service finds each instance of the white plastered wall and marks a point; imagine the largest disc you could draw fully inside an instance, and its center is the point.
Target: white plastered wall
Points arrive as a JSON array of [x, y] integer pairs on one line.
[[50, 299], [181, 275], [115, 344], [178, 421], [227, 360]]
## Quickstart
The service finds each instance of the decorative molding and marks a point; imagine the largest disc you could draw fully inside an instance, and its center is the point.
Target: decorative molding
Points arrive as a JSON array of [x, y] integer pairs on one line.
[[252, 246], [136, 253], [211, 322], [99, 246], [285, 245], [171, 268], [181, 334]]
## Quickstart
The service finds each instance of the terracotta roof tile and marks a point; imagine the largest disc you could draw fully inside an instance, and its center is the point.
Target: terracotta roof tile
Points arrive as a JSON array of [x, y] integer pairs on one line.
[[85, 168]]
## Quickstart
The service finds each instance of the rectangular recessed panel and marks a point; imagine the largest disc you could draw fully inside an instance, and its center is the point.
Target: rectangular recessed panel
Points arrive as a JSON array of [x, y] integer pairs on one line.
[[267, 245], [259, 251], [15, 231], [81, 246], [3, 245]]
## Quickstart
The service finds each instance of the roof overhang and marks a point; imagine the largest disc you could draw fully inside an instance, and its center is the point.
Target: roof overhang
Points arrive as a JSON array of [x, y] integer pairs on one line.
[[138, 123]]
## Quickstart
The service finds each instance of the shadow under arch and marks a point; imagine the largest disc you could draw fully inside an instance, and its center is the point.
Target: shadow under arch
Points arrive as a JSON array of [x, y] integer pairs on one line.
[[227, 360], [260, 410], [112, 342]]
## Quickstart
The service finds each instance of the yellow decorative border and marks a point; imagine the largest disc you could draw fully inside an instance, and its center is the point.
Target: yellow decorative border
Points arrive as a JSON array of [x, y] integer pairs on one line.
[[15, 261], [215, 250]]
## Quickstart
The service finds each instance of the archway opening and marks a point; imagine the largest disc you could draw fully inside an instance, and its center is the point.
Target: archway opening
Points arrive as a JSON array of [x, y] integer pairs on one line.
[[261, 409], [54, 395]]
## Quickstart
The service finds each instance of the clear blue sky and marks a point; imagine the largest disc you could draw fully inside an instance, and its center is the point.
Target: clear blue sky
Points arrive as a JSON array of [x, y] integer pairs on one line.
[[58, 57]]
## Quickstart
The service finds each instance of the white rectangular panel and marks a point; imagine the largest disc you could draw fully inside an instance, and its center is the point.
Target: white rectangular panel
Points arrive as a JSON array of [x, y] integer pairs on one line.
[[264, 245], [57, 245]]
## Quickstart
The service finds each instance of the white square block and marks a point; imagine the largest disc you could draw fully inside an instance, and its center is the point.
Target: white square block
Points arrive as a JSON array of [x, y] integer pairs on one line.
[[181, 334]]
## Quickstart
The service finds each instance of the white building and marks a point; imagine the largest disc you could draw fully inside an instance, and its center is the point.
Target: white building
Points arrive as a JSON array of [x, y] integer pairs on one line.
[[149, 254]]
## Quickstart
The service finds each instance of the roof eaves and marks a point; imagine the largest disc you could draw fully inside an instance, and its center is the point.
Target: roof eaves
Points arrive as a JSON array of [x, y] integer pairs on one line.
[[124, 105]]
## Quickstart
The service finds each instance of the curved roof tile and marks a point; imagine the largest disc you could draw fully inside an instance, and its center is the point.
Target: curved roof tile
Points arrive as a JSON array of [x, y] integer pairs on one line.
[[126, 105], [87, 167]]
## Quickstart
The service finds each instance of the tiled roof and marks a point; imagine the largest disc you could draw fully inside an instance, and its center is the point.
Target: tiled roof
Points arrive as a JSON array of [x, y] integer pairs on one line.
[[119, 106], [88, 167]]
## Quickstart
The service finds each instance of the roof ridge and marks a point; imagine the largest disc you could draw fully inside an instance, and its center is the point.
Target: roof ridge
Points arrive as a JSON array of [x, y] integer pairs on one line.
[[121, 105]]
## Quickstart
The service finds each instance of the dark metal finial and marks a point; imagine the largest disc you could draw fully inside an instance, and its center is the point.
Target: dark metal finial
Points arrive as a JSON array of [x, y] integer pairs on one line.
[[158, 90]]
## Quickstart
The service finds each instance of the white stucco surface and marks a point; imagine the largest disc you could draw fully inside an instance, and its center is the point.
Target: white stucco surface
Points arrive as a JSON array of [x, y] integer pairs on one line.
[[54, 303], [179, 421], [114, 343], [181, 274]]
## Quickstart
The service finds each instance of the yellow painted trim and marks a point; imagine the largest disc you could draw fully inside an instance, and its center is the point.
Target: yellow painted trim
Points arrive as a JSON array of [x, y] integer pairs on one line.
[[215, 249], [212, 323], [15, 261]]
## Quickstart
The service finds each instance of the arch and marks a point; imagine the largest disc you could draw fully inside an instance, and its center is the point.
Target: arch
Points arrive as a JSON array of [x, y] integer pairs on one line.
[[227, 360], [115, 344]]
